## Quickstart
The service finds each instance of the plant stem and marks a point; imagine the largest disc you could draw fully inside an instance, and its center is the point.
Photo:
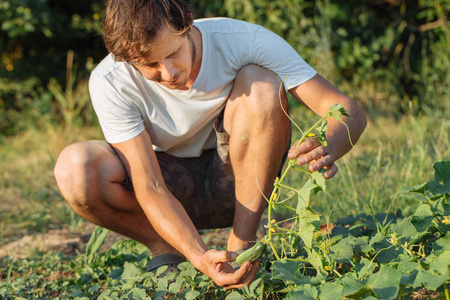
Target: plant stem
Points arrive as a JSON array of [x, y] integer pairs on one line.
[[287, 187], [277, 185], [440, 222], [447, 296], [8, 277]]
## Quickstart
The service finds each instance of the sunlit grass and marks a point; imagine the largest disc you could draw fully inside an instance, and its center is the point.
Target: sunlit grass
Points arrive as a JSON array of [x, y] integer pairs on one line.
[[30, 200], [390, 154]]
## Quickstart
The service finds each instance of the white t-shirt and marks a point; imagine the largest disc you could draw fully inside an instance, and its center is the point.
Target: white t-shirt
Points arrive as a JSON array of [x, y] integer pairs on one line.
[[180, 122]]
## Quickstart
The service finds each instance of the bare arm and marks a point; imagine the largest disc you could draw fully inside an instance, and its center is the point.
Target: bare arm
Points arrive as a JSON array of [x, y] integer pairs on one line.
[[169, 218], [318, 95]]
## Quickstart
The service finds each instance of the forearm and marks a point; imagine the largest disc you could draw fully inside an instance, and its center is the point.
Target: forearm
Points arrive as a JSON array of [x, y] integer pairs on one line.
[[172, 223], [245, 224], [342, 136]]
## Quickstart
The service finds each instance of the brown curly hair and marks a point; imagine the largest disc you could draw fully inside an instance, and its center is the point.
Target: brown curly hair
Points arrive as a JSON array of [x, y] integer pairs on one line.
[[131, 25]]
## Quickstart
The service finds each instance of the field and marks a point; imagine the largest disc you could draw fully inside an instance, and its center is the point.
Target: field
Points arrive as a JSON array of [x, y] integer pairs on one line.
[[378, 230], [43, 251]]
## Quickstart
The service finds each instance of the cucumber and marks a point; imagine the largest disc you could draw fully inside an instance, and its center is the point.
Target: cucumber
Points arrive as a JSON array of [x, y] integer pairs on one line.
[[251, 254]]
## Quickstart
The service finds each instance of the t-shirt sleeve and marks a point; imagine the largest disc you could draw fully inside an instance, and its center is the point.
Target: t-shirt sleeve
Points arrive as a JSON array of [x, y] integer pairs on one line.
[[274, 53], [119, 118]]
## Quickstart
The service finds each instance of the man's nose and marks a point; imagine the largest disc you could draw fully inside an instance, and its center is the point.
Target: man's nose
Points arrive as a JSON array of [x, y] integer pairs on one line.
[[167, 71]]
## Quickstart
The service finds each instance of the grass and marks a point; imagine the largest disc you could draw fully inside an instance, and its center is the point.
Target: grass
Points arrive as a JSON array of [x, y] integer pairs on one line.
[[30, 200], [390, 154]]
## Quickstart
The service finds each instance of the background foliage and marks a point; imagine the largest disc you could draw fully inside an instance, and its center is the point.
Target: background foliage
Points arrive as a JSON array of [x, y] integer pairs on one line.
[[390, 55], [358, 45]]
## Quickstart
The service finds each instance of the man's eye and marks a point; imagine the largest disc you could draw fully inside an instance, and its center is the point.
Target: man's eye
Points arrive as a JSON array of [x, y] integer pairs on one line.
[[173, 54]]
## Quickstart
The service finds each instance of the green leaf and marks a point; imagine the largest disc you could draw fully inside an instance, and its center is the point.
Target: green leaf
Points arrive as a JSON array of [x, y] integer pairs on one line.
[[331, 291], [312, 280], [304, 292], [364, 268], [131, 271], [409, 278], [321, 137], [175, 287], [353, 288], [138, 294], [304, 194], [442, 243], [361, 244], [285, 270], [191, 295], [442, 172], [418, 191], [406, 230], [422, 218], [318, 179], [96, 241], [434, 277], [440, 207], [309, 222], [386, 251], [187, 270], [234, 295], [385, 283], [316, 261], [436, 189], [254, 285], [159, 295], [342, 252], [163, 284], [338, 110]]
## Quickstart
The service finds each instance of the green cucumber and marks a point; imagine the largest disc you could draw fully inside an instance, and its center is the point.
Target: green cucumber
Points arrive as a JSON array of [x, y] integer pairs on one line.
[[251, 254]]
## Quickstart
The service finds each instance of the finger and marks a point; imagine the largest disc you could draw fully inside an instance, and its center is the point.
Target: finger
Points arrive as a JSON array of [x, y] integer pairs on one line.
[[331, 171], [314, 156], [233, 279], [223, 256], [320, 162], [251, 273], [304, 147], [250, 270]]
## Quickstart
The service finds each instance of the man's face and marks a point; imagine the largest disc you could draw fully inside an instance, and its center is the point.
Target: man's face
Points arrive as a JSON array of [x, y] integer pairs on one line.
[[171, 61]]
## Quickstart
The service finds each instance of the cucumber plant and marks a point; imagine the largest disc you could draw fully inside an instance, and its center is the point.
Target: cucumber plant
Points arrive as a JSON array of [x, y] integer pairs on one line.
[[380, 256]]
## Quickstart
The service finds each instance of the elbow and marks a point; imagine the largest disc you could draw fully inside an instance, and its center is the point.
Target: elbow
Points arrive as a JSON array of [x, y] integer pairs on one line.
[[358, 115], [362, 122]]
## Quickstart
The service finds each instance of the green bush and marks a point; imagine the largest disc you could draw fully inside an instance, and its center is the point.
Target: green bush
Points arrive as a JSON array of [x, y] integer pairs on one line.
[[390, 55], [35, 39]]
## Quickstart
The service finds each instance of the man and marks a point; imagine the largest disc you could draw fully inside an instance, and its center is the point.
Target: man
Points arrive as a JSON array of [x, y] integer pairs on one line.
[[175, 99]]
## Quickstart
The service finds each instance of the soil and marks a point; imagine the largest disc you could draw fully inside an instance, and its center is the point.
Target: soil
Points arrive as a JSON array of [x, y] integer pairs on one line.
[[73, 242]]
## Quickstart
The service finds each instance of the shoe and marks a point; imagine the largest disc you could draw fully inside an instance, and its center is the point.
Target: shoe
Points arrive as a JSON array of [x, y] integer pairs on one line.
[[169, 260]]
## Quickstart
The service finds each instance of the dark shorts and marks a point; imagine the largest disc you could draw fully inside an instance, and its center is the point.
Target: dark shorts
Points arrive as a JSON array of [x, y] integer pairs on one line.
[[203, 185]]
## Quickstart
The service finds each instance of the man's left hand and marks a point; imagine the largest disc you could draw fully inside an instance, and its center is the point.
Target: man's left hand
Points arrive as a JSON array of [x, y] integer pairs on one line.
[[312, 152]]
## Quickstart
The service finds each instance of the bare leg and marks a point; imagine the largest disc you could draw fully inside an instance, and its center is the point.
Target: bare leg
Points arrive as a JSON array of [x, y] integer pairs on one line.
[[254, 111], [89, 177]]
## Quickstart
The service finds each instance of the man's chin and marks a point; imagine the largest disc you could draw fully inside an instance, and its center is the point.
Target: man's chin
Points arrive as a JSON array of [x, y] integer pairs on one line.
[[175, 85]]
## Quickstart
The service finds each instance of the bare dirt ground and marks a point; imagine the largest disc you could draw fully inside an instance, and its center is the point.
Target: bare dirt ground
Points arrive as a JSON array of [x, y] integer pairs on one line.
[[73, 242]]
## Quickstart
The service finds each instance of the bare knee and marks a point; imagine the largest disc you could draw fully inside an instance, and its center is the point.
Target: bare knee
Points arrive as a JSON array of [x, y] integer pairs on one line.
[[71, 172], [263, 91]]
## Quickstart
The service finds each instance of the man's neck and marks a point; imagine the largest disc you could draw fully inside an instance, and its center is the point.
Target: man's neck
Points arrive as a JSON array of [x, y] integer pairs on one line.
[[197, 40]]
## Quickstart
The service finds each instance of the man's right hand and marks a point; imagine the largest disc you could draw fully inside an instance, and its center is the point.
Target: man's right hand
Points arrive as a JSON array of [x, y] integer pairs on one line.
[[215, 264]]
